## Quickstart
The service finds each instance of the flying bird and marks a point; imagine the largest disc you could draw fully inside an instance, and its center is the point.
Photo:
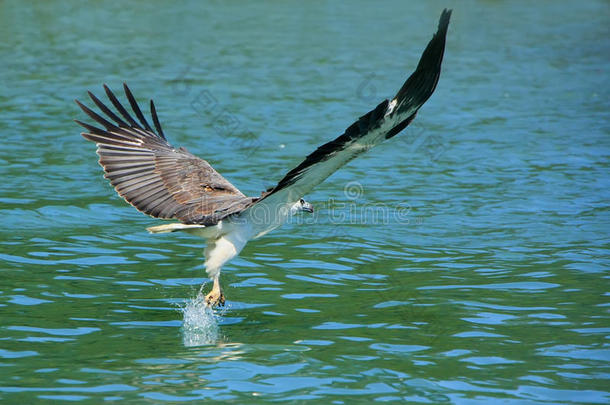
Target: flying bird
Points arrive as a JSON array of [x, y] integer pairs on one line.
[[171, 183]]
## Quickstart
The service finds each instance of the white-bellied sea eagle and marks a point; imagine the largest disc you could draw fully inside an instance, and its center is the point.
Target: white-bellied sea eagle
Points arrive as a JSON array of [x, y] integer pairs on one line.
[[171, 183]]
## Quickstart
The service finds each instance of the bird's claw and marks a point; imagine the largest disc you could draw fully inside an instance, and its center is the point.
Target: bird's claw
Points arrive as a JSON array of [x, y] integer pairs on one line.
[[215, 299]]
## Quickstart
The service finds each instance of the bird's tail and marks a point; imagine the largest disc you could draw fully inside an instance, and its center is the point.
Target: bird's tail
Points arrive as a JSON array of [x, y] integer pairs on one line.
[[173, 228]]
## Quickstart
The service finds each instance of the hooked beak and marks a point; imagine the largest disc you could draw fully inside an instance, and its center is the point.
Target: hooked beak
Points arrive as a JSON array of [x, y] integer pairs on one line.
[[307, 207]]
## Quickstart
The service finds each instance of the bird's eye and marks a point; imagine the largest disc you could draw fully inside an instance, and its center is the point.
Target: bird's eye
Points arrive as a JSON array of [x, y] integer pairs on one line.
[[302, 201]]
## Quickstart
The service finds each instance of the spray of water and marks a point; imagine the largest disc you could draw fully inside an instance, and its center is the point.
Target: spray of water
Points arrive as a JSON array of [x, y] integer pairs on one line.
[[200, 325]]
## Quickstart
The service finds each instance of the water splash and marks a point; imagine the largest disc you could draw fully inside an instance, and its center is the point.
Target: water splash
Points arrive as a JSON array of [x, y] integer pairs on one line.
[[200, 325]]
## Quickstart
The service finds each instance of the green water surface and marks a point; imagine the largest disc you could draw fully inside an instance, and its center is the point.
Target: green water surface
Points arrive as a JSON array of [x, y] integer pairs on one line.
[[464, 261]]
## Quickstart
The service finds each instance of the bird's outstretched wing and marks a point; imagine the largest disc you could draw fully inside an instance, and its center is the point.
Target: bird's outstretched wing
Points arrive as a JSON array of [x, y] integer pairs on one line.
[[384, 122], [153, 176]]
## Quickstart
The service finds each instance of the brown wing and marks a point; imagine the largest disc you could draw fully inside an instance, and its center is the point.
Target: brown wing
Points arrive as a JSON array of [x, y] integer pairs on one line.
[[150, 174]]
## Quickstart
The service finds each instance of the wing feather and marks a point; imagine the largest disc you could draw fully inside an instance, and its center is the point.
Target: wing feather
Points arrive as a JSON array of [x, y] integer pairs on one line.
[[150, 174], [153, 112], [120, 107], [381, 123], [107, 110], [136, 108]]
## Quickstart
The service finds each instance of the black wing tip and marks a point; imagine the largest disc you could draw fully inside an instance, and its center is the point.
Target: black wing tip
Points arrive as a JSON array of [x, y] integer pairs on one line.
[[84, 125], [142, 124], [93, 98], [129, 94], [422, 83], [136, 108], [436, 46], [155, 117], [107, 89], [443, 22], [126, 89]]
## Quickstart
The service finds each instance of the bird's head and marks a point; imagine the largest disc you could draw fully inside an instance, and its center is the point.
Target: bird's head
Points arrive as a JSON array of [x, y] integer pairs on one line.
[[301, 205]]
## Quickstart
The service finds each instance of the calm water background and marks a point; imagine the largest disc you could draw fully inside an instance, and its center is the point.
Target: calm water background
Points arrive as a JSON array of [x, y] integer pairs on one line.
[[484, 278]]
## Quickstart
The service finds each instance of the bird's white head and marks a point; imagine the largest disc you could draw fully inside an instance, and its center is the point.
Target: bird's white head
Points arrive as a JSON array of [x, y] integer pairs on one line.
[[301, 205]]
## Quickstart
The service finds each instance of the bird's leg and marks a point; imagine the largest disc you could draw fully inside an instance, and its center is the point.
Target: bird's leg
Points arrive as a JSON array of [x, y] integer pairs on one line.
[[215, 297]]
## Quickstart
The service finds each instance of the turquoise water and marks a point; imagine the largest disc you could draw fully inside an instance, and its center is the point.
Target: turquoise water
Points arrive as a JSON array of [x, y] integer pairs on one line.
[[465, 261]]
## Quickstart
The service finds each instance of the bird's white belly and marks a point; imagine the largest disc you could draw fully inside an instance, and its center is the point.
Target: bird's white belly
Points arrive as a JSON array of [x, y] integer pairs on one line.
[[229, 239]]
